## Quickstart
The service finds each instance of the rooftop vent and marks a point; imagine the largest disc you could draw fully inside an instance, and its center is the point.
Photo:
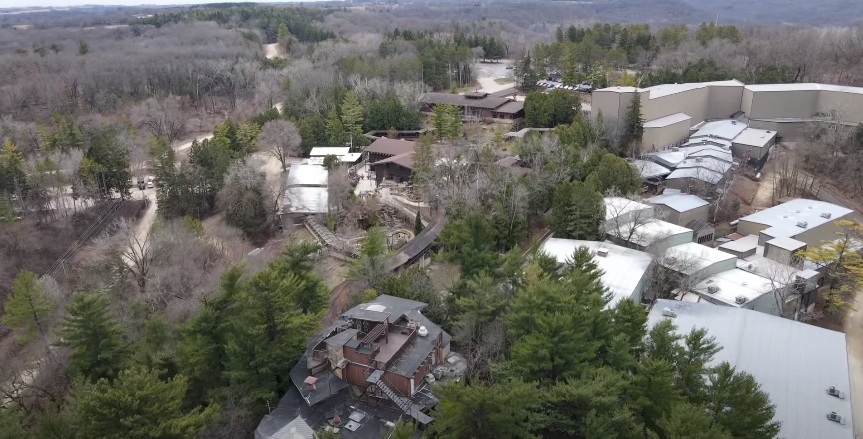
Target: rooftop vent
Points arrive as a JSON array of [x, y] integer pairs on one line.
[[826, 215], [675, 149], [699, 159], [733, 122], [668, 312], [833, 416], [602, 251], [712, 289], [740, 300], [802, 224], [310, 382], [833, 391], [750, 266], [422, 332]]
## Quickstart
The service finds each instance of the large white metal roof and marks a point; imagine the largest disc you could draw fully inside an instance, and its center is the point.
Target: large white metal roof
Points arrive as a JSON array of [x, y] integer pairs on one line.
[[804, 87], [623, 268], [649, 169], [645, 233], [691, 257], [794, 362], [710, 163], [618, 206], [782, 219], [703, 174], [721, 129], [305, 174], [731, 284], [299, 199], [678, 201], [755, 137]]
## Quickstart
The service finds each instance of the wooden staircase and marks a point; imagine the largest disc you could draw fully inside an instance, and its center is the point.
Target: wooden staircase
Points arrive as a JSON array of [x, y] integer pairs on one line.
[[414, 410]]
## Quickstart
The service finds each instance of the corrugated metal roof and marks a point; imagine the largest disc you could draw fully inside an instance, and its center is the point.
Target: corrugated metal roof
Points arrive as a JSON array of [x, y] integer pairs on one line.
[[755, 137], [300, 199], [794, 362], [722, 129]]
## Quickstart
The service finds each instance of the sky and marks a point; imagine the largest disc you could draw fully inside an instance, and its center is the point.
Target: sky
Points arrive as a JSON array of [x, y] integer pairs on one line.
[[62, 3]]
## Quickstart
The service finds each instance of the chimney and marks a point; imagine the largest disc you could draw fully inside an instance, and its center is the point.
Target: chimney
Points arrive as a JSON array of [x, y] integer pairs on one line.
[[337, 421], [310, 382]]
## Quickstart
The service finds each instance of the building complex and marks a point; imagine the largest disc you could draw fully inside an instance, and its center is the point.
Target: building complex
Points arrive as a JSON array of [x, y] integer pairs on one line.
[[672, 111]]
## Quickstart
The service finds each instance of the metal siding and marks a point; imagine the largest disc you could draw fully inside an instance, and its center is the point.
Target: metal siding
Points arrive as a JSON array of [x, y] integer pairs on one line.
[[724, 101], [848, 106], [746, 102], [817, 235], [785, 104], [749, 228], [693, 103], [660, 137], [607, 102]]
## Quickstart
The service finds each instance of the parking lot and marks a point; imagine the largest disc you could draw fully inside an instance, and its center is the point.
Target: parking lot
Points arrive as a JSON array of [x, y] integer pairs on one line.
[[551, 85]]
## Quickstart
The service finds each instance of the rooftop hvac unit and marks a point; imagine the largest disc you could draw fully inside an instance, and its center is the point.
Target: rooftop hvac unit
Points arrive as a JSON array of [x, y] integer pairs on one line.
[[602, 251], [668, 312], [740, 300], [675, 149], [733, 122], [802, 224], [422, 332], [713, 289], [826, 215], [836, 418], [833, 391]]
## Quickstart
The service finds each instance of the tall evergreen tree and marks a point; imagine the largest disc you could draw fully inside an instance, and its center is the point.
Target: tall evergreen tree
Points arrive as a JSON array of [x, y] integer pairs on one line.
[[138, 405], [352, 115], [28, 307], [735, 401], [633, 126], [337, 133], [95, 337], [578, 212]]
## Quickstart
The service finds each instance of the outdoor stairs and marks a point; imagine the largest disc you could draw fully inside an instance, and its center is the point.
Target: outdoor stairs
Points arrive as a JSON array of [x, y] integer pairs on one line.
[[405, 404], [329, 239], [374, 335]]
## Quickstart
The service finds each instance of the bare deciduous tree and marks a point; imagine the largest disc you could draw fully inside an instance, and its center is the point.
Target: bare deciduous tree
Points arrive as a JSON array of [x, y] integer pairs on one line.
[[281, 139], [162, 117]]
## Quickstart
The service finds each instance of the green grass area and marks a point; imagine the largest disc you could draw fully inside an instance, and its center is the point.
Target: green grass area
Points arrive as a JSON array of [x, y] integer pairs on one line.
[[503, 80]]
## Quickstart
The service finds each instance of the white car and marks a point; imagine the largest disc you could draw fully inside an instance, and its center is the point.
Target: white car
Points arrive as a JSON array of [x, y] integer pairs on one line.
[[150, 184]]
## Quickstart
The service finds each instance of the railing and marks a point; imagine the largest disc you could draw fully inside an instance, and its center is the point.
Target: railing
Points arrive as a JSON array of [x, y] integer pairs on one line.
[[374, 335]]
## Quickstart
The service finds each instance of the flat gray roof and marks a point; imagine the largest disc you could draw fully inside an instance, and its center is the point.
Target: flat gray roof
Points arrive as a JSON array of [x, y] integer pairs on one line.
[[744, 244], [300, 199], [794, 362], [722, 129], [734, 283], [755, 137], [782, 219], [678, 201], [667, 120], [786, 243]]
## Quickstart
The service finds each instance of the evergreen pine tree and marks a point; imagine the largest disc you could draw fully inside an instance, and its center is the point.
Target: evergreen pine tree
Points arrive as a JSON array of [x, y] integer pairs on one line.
[[28, 308], [336, 133], [634, 125], [137, 405], [98, 349], [418, 224], [352, 114]]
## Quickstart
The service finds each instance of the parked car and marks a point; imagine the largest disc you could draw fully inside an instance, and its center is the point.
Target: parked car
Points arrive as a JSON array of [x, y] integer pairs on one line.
[[149, 185]]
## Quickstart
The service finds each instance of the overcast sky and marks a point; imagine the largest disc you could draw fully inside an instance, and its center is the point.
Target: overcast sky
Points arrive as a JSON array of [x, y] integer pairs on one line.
[[34, 3]]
